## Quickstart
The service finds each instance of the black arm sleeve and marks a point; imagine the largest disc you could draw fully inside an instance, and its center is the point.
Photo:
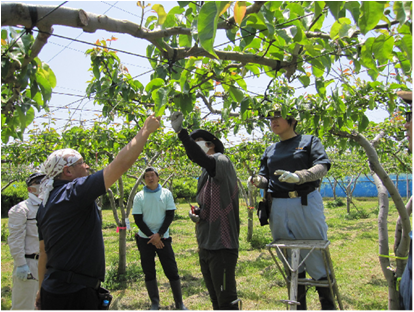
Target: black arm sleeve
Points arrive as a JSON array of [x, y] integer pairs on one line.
[[139, 221], [169, 216], [196, 154]]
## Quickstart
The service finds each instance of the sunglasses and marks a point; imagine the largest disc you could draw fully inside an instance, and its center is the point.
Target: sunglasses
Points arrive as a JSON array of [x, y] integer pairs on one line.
[[36, 182], [78, 163], [408, 116]]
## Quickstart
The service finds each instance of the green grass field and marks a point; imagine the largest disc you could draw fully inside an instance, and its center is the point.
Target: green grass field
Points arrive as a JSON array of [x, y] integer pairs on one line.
[[354, 252]]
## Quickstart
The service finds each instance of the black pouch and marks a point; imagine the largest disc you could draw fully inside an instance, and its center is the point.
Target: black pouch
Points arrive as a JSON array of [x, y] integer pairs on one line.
[[105, 298], [262, 213]]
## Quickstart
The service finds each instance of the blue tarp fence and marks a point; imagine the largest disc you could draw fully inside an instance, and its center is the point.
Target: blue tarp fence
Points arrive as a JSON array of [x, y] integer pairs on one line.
[[366, 188]]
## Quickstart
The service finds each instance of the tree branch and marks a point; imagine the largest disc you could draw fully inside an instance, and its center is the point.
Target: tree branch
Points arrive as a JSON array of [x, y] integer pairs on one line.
[[210, 107]]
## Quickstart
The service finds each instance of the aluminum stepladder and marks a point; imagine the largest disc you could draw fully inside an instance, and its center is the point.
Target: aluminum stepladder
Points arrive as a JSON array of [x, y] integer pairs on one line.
[[291, 269]]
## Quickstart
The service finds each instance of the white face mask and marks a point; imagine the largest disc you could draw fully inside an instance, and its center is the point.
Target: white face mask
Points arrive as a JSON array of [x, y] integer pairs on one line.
[[37, 187], [203, 146]]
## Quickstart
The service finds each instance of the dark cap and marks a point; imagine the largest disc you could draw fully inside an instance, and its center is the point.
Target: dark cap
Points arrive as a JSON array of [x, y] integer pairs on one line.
[[407, 96], [33, 177], [273, 114], [152, 169], [219, 147]]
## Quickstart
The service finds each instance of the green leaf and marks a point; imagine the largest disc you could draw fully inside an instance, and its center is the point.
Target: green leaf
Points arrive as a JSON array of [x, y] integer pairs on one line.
[[248, 34], [51, 76], [184, 40], [186, 102], [402, 10], [222, 7], [183, 3], [96, 71], [335, 7], [240, 81], [363, 123], [153, 84], [171, 19], [236, 94], [160, 97], [44, 85], [305, 80], [254, 69], [231, 34], [405, 64], [372, 12], [406, 46], [382, 47], [159, 9], [353, 8], [21, 116], [342, 28], [244, 105], [319, 5], [207, 26], [317, 68], [149, 20], [30, 114], [3, 34], [366, 54]]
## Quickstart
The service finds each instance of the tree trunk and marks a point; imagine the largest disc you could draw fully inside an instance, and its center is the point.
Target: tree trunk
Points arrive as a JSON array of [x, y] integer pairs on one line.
[[383, 203], [250, 212], [348, 204], [386, 185], [396, 181], [122, 250]]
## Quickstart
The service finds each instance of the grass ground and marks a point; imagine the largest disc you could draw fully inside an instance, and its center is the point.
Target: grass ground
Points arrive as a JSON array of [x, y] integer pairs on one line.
[[354, 252]]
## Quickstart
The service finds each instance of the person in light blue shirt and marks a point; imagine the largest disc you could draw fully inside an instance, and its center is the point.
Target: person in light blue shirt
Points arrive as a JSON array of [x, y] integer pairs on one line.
[[153, 212]]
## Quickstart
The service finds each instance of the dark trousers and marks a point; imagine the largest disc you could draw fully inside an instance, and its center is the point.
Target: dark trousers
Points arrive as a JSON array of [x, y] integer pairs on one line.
[[218, 268], [84, 299], [166, 256]]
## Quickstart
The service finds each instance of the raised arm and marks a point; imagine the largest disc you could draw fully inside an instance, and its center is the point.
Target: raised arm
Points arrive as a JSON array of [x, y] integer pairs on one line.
[[129, 154]]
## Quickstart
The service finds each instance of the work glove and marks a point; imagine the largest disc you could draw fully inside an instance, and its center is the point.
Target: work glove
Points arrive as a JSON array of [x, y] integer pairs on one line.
[[255, 180], [287, 176], [177, 121], [22, 272], [194, 217]]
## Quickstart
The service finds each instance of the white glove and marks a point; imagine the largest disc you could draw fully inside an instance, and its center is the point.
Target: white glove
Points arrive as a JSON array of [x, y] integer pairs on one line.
[[287, 176], [22, 272], [255, 180], [194, 217], [177, 121]]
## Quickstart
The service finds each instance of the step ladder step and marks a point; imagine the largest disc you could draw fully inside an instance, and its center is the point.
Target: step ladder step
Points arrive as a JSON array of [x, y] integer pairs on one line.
[[311, 282], [302, 244], [295, 246]]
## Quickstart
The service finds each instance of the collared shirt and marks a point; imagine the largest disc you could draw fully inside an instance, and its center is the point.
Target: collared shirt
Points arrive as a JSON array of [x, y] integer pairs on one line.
[[298, 153], [23, 239], [71, 228], [218, 198]]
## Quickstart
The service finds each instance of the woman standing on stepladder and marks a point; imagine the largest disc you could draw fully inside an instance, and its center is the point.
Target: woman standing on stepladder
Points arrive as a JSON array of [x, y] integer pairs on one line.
[[291, 171]]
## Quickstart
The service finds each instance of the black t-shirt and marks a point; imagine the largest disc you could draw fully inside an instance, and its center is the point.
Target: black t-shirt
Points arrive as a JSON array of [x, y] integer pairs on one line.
[[71, 228], [298, 153]]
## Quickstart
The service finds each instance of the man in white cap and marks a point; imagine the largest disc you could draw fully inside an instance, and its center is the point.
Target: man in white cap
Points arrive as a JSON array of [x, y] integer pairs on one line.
[[406, 283], [72, 255], [24, 246]]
